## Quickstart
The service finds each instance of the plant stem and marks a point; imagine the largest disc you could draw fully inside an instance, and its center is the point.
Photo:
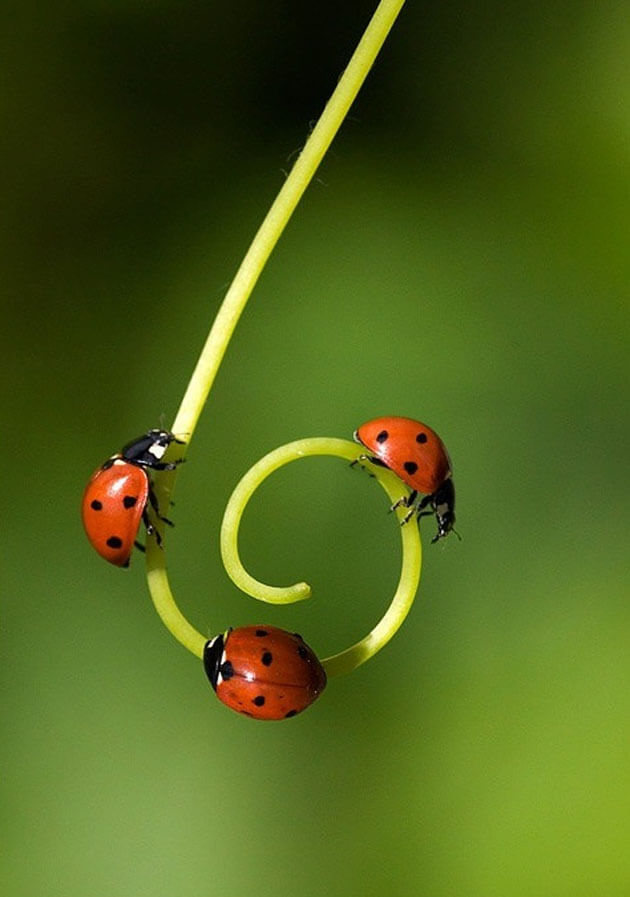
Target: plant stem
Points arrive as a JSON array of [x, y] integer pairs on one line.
[[240, 289], [166, 606], [278, 215]]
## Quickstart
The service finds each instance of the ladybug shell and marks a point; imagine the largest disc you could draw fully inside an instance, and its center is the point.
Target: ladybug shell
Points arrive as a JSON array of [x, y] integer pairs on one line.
[[412, 450], [113, 502], [264, 672]]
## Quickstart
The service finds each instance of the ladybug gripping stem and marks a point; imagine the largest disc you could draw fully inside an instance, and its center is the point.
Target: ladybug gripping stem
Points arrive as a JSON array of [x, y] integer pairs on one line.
[[416, 454], [117, 496]]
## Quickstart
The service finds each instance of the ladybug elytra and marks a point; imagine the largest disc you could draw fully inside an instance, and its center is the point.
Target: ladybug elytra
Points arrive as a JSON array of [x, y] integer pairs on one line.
[[263, 672]]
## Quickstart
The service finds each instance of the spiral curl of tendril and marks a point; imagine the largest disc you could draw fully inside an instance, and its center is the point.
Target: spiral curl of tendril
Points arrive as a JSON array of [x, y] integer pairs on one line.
[[346, 660]]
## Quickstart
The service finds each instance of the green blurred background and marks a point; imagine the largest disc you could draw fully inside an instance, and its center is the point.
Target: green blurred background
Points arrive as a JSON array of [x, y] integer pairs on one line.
[[463, 258]]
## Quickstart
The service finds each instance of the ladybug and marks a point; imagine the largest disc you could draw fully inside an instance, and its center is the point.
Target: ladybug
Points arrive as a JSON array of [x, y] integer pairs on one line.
[[416, 454], [263, 672], [116, 497]]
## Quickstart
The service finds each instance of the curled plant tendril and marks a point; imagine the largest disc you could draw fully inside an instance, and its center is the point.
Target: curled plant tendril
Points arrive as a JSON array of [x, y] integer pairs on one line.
[[352, 657], [347, 660]]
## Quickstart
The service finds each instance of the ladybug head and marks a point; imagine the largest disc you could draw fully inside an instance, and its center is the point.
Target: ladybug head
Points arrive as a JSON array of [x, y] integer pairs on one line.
[[212, 655], [444, 504], [161, 439], [149, 449]]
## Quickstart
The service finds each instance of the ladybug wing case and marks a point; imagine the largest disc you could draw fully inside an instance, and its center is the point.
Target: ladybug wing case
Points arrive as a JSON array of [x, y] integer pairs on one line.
[[112, 509]]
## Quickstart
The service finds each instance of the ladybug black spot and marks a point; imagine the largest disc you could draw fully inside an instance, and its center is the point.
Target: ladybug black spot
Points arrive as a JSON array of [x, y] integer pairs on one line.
[[259, 700], [383, 436], [267, 658], [129, 501], [261, 633], [421, 437], [290, 713], [411, 467], [302, 652], [227, 670], [96, 505], [114, 542]]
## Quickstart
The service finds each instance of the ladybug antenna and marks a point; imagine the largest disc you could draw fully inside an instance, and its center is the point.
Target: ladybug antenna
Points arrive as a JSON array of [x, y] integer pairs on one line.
[[457, 534]]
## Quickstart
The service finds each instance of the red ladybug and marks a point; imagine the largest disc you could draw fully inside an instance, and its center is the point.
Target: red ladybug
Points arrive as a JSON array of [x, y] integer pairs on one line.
[[418, 456], [263, 672], [115, 499]]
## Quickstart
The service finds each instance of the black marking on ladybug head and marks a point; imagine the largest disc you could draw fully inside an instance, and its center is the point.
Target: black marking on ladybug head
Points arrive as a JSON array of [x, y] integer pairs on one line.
[[290, 713], [96, 505], [114, 542], [259, 700], [148, 449], [212, 654], [302, 652], [267, 658], [383, 436], [421, 438], [261, 633], [411, 467], [129, 501]]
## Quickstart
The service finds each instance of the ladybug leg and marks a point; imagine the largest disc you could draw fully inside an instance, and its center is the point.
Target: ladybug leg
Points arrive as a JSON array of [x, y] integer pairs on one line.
[[166, 465], [405, 502], [154, 504], [362, 466], [372, 460], [151, 530], [418, 514], [421, 505], [140, 547], [418, 509], [427, 500]]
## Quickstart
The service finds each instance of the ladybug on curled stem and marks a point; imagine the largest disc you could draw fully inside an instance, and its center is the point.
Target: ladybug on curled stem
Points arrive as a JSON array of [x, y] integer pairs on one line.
[[416, 454], [263, 672], [116, 499]]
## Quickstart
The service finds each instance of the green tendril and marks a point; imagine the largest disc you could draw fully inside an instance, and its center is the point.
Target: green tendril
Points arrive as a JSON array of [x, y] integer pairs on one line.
[[226, 320], [349, 659]]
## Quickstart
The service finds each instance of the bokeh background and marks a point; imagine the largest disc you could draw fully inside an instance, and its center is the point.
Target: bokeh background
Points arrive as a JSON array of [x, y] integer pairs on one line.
[[462, 258]]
